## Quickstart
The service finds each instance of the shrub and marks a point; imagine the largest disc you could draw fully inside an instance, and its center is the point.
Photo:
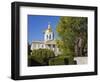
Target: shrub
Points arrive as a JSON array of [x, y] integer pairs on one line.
[[42, 55], [61, 60]]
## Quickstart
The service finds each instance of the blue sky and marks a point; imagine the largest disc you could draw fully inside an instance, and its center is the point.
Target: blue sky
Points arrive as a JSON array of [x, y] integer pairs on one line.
[[38, 23]]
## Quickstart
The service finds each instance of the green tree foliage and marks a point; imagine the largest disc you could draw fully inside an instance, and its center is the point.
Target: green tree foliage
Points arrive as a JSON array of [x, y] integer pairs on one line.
[[29, 49], [69, 30], [42, 55], [61, 60]]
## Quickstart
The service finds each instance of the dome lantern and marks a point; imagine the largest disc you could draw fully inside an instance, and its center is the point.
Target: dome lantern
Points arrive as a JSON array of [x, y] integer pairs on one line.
[[48, 34]]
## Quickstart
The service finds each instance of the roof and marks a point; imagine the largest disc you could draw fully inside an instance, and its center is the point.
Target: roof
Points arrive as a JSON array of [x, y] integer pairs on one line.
[[38, 42], [50, 42]]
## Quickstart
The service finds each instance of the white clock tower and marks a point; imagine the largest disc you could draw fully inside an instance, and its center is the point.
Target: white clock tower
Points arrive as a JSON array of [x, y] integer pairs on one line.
[[48, 34]]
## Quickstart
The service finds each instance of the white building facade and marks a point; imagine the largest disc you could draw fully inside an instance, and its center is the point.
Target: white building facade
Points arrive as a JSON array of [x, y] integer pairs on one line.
[[48, 43]]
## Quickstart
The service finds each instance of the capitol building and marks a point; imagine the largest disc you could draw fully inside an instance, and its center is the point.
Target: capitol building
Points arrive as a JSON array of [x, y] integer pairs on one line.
[[48, 43]]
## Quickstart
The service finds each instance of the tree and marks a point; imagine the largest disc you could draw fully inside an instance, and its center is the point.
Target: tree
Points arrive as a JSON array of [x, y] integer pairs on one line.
[[42, 55], [29, 49], [72, 35]]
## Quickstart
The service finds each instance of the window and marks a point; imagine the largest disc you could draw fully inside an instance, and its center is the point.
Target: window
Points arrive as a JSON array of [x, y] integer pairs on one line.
[[47, 37], [49, 45], [53, 46], [50, 36], [42, 45]]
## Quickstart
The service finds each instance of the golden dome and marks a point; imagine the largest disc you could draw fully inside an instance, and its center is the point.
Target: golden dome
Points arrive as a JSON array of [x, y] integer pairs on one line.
[[49, 30]]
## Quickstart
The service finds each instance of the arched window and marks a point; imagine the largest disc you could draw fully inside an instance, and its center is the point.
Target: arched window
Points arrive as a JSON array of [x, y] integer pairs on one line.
[[49, 36], [53, 36]]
